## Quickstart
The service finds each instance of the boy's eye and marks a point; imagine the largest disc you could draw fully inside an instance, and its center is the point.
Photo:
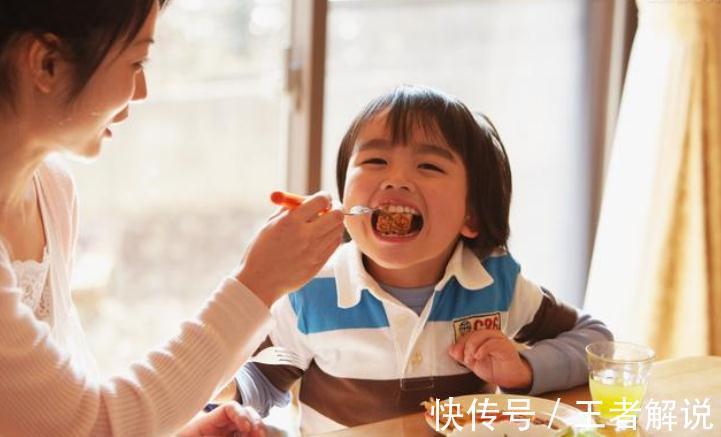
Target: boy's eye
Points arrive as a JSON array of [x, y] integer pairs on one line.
[[432, 167], [376, 161]]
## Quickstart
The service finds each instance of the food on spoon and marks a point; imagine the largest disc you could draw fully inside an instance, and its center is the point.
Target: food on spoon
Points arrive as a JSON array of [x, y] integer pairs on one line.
[[397, 220], [394, 223]]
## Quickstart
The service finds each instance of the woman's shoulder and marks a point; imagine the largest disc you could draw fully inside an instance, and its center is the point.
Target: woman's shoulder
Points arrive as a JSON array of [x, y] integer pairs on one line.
[[7, 275], [56, 179], [56, 169], [58, 196]]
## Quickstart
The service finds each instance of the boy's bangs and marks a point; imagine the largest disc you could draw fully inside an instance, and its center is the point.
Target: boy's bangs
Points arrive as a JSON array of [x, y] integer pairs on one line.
[[407, 109], [403, 123], [440, 116]]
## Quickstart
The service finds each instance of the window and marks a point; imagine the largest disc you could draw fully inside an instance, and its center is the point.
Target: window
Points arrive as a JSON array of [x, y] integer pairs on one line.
[[524, 64], [168, 209], [162, 218]]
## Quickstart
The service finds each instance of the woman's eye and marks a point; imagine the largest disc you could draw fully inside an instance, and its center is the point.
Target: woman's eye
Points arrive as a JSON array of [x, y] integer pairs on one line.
[[140, 65], [432, 167]]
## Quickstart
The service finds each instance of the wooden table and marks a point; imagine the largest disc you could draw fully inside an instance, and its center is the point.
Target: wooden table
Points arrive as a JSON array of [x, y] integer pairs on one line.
[[675, 379]]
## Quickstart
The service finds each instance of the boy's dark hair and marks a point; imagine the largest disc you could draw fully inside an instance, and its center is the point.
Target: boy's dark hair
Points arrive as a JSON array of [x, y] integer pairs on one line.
[[87, 29], [472, 136]]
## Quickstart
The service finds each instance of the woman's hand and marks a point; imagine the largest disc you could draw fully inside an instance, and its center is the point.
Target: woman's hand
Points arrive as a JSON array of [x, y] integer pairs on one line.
[[226, 420], [493, 357], [291, 248]]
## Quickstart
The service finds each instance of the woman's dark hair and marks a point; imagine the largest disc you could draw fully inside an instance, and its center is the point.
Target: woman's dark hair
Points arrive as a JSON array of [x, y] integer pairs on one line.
[[472, 136], [87, 29]]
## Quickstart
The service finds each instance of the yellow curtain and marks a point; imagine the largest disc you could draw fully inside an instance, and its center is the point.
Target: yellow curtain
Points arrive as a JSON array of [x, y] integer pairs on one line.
[[655, 275]]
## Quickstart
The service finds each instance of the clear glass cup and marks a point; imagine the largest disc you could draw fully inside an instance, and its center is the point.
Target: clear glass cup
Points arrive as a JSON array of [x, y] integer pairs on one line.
[[618, 377]]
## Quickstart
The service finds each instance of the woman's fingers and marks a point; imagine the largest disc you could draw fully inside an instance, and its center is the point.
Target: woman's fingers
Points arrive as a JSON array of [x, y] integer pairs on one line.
[[325, 235], [312, 208], [245, 421], [330, 244], [226, 420], [291, 248], [329, 223], [240, 417]]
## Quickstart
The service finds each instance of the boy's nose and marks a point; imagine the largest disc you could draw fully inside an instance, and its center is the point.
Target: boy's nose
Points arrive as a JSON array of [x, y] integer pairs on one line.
[[398, 177], [396, 184]]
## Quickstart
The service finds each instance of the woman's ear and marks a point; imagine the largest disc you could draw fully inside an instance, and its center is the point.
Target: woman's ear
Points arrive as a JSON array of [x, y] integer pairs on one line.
[[470, 226], [45, 63]]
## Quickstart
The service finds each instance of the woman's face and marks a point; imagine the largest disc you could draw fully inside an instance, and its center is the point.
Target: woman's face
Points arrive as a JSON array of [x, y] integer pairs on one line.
[[104, 101]]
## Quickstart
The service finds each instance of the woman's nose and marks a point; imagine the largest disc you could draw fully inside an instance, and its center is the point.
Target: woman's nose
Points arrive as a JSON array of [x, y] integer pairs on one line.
[[141, 88]]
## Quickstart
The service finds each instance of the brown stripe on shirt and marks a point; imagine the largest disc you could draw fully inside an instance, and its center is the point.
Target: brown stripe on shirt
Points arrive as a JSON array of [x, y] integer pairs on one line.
[[552, 318], [281, 376], [353, 402]]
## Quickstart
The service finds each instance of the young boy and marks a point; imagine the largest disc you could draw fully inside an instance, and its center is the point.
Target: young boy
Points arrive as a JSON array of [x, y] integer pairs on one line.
[[425, 299]]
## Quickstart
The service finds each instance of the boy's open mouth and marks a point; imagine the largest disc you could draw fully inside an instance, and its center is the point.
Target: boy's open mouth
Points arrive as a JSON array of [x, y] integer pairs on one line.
[[396, 221]]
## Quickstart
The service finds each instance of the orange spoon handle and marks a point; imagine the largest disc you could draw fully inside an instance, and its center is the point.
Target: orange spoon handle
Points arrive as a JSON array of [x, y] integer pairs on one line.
[[286, 200]]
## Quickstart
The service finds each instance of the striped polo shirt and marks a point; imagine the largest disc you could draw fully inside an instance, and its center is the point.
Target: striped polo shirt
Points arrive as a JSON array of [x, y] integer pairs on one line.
[[367, 357]]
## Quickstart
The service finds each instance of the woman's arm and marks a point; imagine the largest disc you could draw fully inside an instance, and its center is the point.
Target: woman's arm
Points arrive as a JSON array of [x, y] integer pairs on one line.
[[263, 386], [227, 420], [42, 394]]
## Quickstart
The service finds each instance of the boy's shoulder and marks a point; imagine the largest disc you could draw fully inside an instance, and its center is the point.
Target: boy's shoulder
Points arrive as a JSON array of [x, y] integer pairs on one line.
[[498, 252], [500, 261]]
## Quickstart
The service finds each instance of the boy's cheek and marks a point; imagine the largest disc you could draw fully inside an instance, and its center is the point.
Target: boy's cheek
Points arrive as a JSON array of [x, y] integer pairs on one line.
[[357, 232]]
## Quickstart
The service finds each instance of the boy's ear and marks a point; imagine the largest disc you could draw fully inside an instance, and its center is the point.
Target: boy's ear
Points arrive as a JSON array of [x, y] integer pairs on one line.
[[45, 63], [470, 227]]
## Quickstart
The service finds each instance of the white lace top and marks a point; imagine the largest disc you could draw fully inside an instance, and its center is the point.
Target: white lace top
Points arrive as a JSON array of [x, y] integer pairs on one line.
[[42, 393], [32, 279]]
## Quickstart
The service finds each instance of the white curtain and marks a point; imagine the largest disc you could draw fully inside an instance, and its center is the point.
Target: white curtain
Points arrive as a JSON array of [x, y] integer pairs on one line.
[[656, 270]]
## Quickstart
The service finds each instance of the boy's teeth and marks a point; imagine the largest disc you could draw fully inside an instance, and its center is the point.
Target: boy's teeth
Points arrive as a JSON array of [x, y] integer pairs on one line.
[[399, 209]]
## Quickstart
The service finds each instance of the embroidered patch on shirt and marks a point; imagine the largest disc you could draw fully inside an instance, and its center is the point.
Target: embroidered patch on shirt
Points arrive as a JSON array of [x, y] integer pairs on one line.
[[468, 324]]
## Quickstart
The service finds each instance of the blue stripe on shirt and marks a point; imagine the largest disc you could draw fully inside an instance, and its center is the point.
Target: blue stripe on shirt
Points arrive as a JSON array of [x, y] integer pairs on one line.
[[456, 302], [321, 296]]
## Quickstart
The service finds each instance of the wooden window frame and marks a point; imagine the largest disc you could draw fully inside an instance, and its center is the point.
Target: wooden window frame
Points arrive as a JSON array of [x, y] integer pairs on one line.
[[612, 25], [305, 85]]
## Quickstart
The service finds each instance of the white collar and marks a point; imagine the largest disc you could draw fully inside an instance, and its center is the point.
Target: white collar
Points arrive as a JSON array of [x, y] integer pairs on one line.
[[352, 278]]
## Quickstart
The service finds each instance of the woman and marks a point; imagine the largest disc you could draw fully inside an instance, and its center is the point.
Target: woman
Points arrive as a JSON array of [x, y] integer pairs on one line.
[[68, 70]]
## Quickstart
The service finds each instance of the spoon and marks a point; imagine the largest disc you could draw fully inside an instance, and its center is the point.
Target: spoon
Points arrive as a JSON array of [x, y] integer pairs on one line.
[[292, 201], [359, 210]]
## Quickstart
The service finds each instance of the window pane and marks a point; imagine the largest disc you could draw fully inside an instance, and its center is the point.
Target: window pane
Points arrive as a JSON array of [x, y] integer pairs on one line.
[[522, 63], [169, 206]]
